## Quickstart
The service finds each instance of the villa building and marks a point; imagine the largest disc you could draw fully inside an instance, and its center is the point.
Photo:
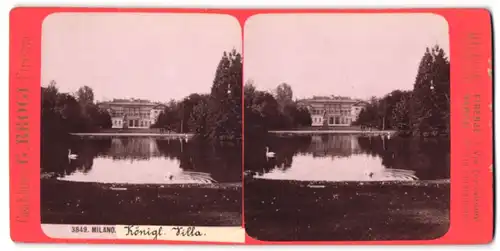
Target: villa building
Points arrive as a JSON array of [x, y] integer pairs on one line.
[[333, 110], [132, 113]]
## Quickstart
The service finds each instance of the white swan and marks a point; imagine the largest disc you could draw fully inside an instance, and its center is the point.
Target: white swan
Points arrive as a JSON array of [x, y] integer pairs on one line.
[[71, 156], [268, 153]]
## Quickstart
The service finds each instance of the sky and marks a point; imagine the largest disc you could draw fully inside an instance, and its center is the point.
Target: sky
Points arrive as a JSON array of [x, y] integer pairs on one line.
[[354, 55], [130, 55]]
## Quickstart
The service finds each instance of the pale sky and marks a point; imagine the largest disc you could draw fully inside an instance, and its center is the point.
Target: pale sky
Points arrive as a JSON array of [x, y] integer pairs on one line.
[[136, 55], [355, 55]]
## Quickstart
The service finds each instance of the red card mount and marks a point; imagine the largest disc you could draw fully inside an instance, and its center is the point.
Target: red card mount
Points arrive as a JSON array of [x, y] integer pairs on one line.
[[203, 169]]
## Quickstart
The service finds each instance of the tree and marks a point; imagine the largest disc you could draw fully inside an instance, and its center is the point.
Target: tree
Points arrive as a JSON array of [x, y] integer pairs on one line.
[[49, 96], [63, 113], [198, 118], [169, 118], [249, 91], [224, 121], [303, 117], [254, 122], [429, 113], [104, 119], [93, 117], [294, 116], [263, 112], [370, 115], [85, 95], [284, 95], [70, 112], [268, 109], [51, 119], [385, 107], [186, 108], [401, 114]]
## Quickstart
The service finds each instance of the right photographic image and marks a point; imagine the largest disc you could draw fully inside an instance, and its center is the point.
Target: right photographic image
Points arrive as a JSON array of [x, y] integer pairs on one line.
[[346, 127]]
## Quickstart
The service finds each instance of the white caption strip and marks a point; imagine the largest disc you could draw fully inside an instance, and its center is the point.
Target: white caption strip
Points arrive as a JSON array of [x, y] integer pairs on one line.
[[142, 232]]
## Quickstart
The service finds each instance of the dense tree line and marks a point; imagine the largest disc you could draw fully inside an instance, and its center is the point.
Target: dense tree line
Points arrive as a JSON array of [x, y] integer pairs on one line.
[[63, 113], [425, 110], [177, 114], [214, 116], [379, 113], [265, 111]]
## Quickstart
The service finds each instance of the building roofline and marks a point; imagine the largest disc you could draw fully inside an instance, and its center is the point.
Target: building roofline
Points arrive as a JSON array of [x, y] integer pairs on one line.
[[157, 105], [130, 103], [329, 101]]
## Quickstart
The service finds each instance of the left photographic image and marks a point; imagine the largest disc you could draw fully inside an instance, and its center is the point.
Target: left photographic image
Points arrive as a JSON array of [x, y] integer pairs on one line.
[[140, 121]]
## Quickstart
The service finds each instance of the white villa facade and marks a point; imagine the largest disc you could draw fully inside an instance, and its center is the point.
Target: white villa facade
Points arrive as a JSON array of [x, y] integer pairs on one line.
[[132, 113], [333, 110]]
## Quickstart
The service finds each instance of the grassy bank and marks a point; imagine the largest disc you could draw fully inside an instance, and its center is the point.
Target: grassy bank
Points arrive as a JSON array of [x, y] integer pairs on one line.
[[65, 202], [322, 211]]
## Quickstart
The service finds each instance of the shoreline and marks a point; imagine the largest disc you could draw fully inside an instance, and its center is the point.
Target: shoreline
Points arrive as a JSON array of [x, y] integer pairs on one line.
[[133, 134], [400, 183], [386, 132], [225, 185]]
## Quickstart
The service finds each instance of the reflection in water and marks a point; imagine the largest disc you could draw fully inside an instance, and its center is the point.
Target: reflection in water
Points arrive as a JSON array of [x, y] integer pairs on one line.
[[142, 160], [354, 168], [341, 157], [133, 148], [152, 171]]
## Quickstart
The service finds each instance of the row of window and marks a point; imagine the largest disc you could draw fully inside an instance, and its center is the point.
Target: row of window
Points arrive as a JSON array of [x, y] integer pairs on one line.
[[334, 120], [142, 114], [132, 123], [339, 120], [322, 111], [334, 105], [120, 114]]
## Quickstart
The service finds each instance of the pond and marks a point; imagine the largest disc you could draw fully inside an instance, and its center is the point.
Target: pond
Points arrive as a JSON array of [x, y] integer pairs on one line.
[[349, 157], [141, 160]]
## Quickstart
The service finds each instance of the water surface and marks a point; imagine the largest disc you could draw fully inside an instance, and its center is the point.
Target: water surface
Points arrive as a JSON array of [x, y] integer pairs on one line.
[[349, 157], [141, 160]]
